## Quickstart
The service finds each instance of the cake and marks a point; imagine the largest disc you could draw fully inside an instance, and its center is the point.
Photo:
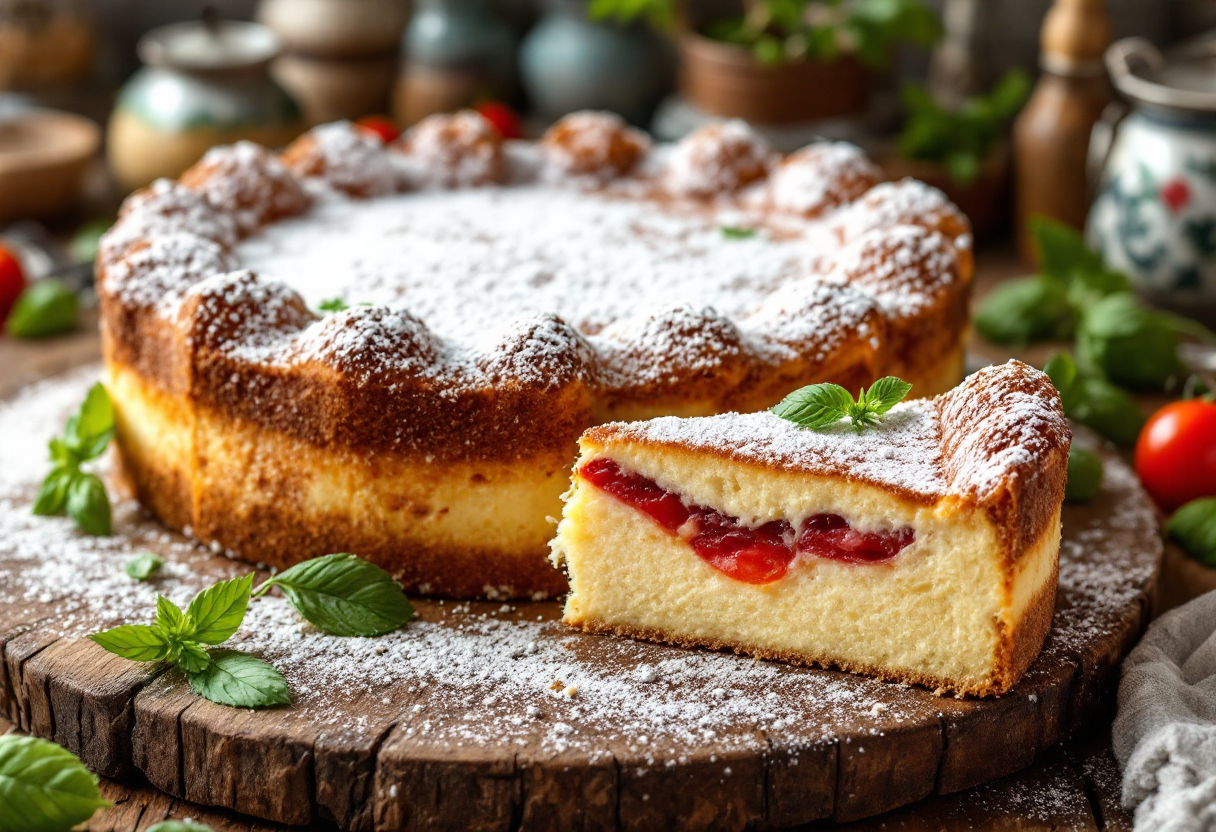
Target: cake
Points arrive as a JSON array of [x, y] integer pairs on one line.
[[924, 549], [392, 350]]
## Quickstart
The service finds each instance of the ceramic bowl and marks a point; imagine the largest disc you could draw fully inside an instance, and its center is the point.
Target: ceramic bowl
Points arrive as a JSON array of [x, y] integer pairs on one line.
[[44, 155]]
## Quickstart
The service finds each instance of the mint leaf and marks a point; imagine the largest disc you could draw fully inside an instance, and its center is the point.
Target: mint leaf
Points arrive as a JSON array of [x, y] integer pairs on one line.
[[46, 308], [332, 305], [89, 431], [141, 567], [217, 612], [731, 232], [344, 595], [53, 494], [1061, 249], [137, 642], [1127, 343], [88, 504], [1062, 370], [169, 617], [190, 657], [179, 826], [1084, 475], [1026, 310], [815, 406], [1109, 410], [240, 680], [1193, 527], [885, 393], [43, 787]]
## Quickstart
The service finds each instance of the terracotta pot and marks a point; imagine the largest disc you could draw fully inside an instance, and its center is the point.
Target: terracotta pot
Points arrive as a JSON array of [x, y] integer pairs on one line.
[[985, 200], [722, 79]]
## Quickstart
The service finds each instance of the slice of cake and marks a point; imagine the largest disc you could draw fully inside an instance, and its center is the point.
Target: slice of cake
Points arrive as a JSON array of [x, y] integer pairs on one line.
[[923, 548]]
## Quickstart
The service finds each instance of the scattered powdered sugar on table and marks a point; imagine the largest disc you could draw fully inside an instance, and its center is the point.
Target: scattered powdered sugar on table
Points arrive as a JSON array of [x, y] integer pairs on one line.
[[482, 673]]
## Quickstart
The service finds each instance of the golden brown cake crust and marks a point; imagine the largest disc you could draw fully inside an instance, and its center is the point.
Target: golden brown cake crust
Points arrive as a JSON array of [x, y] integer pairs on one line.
[[179, 313]]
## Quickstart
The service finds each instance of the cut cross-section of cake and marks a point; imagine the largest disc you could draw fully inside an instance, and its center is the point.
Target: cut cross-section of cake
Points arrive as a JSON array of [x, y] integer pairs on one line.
[[922, 549]]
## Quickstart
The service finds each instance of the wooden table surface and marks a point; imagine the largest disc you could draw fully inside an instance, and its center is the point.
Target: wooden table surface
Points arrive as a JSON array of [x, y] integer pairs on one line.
[[1072, 788]]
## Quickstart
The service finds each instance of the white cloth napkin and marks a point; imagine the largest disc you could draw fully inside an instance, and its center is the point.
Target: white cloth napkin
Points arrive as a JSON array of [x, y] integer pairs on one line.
[[1165, 733]]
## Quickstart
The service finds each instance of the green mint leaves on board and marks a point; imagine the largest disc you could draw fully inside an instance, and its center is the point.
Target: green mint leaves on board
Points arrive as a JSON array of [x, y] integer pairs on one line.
[[68, 489], [344, 595], [960, 139], [1095, 402], [819, 405], [43, 787], [144, 566], [1084, 475], [1133, 345], [732, 232], [332, 305], [1193, 527], [46, 308], [1024, 311]]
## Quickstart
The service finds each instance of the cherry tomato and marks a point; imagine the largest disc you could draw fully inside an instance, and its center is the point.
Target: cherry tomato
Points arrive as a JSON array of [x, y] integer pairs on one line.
[[502, 117], [382, 126], [1176, 453], [12, 282]]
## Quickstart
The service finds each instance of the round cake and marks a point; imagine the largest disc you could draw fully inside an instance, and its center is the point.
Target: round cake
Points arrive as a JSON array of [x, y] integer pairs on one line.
[[392, 350]]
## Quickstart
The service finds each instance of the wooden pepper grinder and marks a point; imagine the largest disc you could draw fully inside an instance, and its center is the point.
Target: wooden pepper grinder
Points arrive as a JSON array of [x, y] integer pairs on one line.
[[1051, 136]]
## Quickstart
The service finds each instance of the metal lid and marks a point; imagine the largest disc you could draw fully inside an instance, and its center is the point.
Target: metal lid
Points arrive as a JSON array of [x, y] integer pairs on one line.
[[209, 46], [1183, 79]]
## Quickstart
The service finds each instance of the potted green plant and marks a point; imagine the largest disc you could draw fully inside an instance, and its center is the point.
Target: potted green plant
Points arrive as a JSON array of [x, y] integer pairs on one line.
[[783, 61], [961, 150]]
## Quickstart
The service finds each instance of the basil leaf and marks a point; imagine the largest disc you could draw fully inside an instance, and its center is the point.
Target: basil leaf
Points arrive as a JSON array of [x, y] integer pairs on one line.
[[1193, 527], [217, 612], [1109, 410], [61, 455], [1127, 343], [53, 494], [815, 406], [885, 393], [344, 595], [1026, 310], [240, 680], [137, 642], [731, 232], [1084, 475], [43, 787], [179, 826], [88, 504], [1065, 258], [141, 567], [1062, 370], [89, 431], [169, 617], [190, 657], [46, 308]]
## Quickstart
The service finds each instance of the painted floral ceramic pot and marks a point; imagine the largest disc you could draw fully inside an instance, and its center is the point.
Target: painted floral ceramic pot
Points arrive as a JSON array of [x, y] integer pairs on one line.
[[1155, 213], [203, 85]]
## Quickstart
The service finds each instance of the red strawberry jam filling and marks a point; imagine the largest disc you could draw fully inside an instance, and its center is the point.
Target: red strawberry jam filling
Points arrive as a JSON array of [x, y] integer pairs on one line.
[[757, 555]]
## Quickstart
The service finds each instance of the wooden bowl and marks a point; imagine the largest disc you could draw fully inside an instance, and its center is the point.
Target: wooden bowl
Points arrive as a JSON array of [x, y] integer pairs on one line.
[[44, 155]]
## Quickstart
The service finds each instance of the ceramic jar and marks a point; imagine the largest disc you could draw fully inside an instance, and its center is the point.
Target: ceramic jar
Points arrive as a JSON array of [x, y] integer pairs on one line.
[[1155, 213], [568, 63], [202, 85]]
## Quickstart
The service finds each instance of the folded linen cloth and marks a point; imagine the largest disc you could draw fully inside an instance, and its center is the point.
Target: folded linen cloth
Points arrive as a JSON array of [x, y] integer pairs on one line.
[[1165, 733]]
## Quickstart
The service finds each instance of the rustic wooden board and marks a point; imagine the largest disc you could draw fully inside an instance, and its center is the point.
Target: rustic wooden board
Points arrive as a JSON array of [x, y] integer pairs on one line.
[[453, 722]]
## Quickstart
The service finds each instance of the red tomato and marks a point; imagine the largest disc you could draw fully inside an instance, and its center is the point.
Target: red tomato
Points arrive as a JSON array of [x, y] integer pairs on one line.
[[12, 282], [1176, 453], [381, 126], [502, 117]]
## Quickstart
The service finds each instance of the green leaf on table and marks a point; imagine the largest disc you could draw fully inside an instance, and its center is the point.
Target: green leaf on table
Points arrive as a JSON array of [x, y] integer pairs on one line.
[[1026, 310], [190, 657], [137, 642], [1084, 475], [143, 566], [52, 496], [1193, 527], [1129, 344], [43, 787], [817, 406], [169, 617], [240, 680], [732, 232], [1062, 370], [46, 308], [1095, 402], [88, 504], [91, 428], [344, 595], [217, 612]]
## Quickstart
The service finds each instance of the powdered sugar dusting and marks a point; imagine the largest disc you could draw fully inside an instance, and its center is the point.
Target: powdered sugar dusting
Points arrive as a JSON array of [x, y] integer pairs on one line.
[[822, 176]]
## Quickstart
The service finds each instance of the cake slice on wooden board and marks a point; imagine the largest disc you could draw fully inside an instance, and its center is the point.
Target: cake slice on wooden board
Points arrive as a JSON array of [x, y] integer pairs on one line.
[[922, 549]]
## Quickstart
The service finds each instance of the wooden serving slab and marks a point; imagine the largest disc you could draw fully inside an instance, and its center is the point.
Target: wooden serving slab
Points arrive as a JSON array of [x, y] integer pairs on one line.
[[495, 716]]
